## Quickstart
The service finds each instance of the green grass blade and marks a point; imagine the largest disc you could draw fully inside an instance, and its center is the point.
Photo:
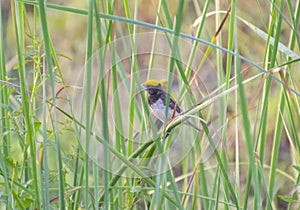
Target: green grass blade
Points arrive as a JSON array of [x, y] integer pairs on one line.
[[30, 136], [4, 94], [50, 68]]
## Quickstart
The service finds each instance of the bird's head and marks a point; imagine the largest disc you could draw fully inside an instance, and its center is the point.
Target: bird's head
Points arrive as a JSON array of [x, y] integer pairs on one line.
[[152, 85]]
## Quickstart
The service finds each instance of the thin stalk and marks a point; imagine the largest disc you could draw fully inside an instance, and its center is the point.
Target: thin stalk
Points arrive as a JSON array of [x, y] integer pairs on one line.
[[88, 82], [294, 37], [29, 137], [278, 128], [245, 117], [45, 169], [4, 95], [5, 120], [47, 45]]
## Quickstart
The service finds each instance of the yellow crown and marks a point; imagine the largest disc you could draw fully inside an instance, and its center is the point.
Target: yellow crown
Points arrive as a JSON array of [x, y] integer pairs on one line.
[[152, 82]]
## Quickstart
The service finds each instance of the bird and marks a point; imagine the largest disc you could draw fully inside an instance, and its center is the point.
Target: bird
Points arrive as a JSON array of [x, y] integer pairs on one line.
[[157, 98]]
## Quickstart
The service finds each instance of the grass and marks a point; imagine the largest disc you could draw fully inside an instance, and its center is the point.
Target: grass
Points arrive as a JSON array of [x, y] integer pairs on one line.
[[76, 129]]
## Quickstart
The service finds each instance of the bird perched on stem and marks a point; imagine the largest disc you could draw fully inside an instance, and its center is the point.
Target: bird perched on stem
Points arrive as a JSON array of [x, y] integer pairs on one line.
[[157, 98]]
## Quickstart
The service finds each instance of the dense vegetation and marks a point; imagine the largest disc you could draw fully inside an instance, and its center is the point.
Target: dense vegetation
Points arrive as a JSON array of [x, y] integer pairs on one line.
[[76, 129]]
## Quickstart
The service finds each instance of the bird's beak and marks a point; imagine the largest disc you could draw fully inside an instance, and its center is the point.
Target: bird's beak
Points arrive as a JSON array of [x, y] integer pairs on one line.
[[143, 86]]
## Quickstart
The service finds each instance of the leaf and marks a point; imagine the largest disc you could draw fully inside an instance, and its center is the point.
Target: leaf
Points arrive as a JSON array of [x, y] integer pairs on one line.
[[31, 53], [25, 203], [297, 168], [136, 189], [6, 107], [37, 125], [289, 200]]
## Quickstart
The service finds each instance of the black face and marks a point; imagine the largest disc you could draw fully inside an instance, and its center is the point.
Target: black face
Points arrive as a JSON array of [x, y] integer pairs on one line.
[[154, 93], [152, 90]]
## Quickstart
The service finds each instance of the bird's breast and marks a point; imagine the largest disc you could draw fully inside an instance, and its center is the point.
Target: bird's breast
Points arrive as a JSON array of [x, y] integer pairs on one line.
[[159, 109]]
